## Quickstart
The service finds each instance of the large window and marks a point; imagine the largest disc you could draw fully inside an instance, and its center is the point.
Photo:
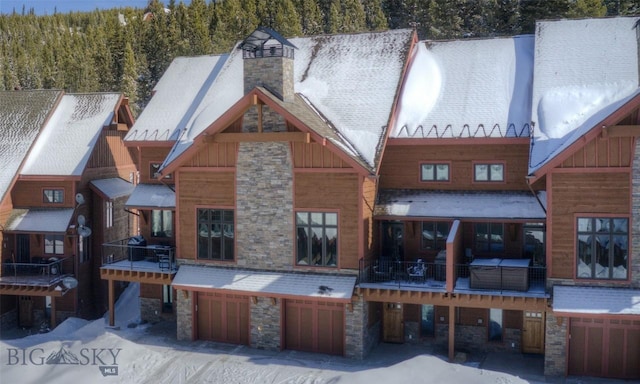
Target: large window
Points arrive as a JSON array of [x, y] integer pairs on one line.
[[603, 248], [53, 196], [215, 234], [489, 237], [54, 244], [488, 172], [161, 223], [434, 172], [317, 238], [428, 320], [434, 235]]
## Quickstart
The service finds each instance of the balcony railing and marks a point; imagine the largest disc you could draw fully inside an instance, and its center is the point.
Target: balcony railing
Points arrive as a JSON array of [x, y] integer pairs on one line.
[[40, 271], [416, 274], [120, 254]]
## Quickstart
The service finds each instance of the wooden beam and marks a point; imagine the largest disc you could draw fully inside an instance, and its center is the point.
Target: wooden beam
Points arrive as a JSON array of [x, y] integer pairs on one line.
[[621, 131], [452, 332], [259, 118], [299, 137], [112, 315], [53, 312], [29, 290]]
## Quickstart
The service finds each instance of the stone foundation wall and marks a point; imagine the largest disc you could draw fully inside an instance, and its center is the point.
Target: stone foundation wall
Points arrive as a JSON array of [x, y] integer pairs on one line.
[[355, 316], [555, 359], [184, 316], [265, 324], [9, 320], [151, 311]]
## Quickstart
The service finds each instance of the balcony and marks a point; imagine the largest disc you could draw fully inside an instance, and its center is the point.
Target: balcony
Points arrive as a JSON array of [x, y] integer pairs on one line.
[[39, 272], [133, 255], [414, 275]]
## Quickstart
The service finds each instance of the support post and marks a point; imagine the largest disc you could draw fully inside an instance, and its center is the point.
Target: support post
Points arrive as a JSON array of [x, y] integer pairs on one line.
[[452, 332], [112, 315], [53, 312]]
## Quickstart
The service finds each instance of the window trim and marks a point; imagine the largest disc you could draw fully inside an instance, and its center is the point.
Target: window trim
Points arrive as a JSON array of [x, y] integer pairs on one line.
[[197, 234], [108, 213], [46, 201], [55, 250], [489, 179], [324, 252], [593, 216], [435, 164]]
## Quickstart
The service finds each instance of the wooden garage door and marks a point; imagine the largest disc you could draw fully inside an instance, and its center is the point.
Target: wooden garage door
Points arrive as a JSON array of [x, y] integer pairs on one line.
[[223, 318], [314, 326], [604, 348]]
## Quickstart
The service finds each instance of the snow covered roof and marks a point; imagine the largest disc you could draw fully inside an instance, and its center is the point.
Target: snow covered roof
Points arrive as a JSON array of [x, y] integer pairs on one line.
[[152, 196], [584, 70], [455, 205], [349, 80], [67, 140], [192, 277], [596, 300], [22, 115], [467, 88], [113, 188], [53, 220]]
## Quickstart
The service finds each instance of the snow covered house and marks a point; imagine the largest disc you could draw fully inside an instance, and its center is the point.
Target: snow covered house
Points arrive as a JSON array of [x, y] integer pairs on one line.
[[62, 182], [328, 193]]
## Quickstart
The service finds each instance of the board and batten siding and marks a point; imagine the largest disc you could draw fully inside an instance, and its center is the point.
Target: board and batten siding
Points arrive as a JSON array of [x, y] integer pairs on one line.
[[581, 193], [400, 168], [333, 191], [29, 193], [150, 155], [602, 152], [200, 189]]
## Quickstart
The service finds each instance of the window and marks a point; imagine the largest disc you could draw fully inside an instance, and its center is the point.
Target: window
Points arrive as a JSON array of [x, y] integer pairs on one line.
[[428, 320], [54, 244], [534, 243], [108, 214], [53, 196], [215, 234], [602, 248], [434, 172], [434, 235], [495, 324], [83, 249], [488, 172], [317, 238], [153, 171], [489, 237], [161, 223], [167, 299]]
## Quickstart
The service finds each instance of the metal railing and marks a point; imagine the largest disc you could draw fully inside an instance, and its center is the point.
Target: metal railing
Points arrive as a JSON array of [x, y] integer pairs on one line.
[[138, 257], [402, 273], [42, 271]]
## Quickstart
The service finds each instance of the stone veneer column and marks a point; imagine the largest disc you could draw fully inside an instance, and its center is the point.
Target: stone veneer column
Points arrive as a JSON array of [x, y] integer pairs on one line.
[[264, 206], [357, 340], [265, 324], [555, 359], [184, 316], [634, 268]]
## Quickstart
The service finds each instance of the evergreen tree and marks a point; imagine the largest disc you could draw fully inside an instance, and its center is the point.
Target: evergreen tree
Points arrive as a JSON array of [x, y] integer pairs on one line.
[[286, 20], [374, 16], [354, 19], [197, 28], [129, 82], [507, 16], [311, 17], [334, 21], [587, 8], [534, 10]]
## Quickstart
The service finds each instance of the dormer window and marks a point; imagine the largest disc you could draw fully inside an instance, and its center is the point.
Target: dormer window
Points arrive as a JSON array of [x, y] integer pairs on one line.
[[154, 169], [53, 196], [492, 172]]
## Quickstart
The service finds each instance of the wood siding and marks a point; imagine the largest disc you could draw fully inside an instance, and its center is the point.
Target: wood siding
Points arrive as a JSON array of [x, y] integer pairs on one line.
[[584, 193], [333, 191], [200, 189], [215, 155], [602, 152], [369, 189], [400, 168], [150, 155], [110, 151], [315, 155], [29, 193]]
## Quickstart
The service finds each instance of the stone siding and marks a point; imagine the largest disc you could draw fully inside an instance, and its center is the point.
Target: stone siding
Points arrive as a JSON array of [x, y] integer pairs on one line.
[[183, 300], [355, 316], [555, 359], [265, 324], [151, 311], [273, 73]]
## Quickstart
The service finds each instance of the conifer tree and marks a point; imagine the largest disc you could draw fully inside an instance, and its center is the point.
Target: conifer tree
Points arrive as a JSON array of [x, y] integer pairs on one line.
[[587, 8], [311, 17]]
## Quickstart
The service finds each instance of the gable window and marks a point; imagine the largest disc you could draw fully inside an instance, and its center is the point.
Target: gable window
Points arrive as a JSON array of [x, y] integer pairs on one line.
[[434, 172], [495, 324], [53, 196], [434, 235], [602, 248], [161, 223], [154, 168], [489, 237], [215, 234], [488, 172], [317, 239], [54, 244], [108, 214]]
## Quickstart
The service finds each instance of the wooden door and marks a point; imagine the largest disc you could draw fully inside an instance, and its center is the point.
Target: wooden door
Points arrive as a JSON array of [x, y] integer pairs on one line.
[[223, 318], [312, 326], [393, 325], [25, 318], [23, 251], [533, 332]]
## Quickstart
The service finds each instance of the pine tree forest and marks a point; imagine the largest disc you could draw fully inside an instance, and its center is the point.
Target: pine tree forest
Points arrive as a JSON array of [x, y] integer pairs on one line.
[[127, 50]]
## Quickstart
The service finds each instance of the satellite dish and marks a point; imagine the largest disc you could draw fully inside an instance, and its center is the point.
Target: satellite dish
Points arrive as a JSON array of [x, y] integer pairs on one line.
[[81, 220], [69, 282], [79, 198], [84, 231]]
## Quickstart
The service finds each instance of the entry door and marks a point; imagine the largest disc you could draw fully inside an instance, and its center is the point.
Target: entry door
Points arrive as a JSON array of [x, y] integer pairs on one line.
[[25, 315], [393, 325], [533, 332], [22, 249]]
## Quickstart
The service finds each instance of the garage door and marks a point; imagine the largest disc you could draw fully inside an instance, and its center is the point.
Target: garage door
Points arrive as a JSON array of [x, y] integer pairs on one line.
[[223, 318], [314, 326], [604, 348]]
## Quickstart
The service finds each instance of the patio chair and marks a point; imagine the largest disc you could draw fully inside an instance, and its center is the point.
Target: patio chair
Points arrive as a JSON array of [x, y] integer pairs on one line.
[[417, 271]]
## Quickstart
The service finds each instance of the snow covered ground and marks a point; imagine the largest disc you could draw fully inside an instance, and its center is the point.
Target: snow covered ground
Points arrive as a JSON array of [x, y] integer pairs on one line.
[[83, 351]]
